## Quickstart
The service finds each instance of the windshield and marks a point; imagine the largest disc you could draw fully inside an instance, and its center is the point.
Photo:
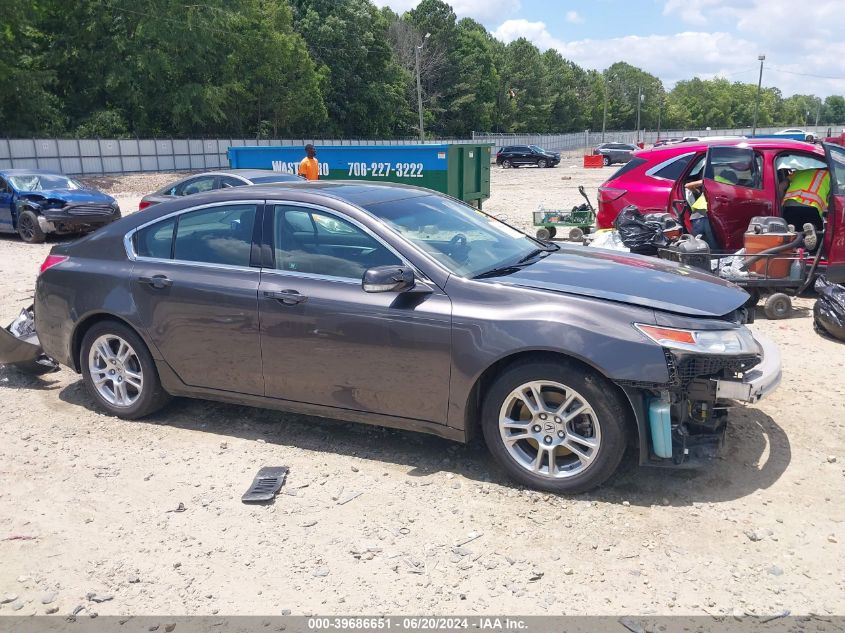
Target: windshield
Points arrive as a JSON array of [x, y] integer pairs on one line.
[[539, 150], [41, 182], [464, 240]]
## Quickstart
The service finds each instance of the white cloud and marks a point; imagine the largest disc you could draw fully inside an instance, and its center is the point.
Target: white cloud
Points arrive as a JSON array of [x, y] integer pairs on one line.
[[670, 57], [400, 6], [728, 45], [696, 12], [535, 32], [482, 10], [574, 18]]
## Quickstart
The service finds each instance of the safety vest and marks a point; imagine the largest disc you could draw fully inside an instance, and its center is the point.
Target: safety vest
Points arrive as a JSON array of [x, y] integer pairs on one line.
[[810, 187], [700, 203]]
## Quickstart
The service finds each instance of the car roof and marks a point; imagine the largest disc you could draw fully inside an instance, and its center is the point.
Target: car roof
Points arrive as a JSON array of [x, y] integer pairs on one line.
[[668, 151], [359, 193], [243, 173]]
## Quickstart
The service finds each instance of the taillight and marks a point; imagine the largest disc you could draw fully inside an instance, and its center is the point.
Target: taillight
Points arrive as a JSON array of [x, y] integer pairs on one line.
[[609, 194], [52, 260], [143, 204]]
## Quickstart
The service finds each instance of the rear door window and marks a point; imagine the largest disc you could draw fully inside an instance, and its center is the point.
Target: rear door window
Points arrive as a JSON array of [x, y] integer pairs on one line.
[[671, 169], [216, 235], [227, 182], [195, 185], [156, 240], [630, 165], [736, 166]]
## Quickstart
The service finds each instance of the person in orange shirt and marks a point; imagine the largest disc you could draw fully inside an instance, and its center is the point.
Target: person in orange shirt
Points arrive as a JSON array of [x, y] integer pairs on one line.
[[309, 167]]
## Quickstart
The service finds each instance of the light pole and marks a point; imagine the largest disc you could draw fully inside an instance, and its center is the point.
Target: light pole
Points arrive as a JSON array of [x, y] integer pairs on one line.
[[419, 86], [659, 114], [604, 118], [762, 58], [640, 98]]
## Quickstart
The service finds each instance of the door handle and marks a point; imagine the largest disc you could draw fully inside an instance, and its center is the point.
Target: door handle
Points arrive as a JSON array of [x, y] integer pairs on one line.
[[287, 297], [158, 282]]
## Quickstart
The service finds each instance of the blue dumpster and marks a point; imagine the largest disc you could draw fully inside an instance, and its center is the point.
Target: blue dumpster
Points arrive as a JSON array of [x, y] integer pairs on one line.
[[458, 169]]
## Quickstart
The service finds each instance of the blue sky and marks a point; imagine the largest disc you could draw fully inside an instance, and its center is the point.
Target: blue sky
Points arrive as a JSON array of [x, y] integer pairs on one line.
[[679, 39]]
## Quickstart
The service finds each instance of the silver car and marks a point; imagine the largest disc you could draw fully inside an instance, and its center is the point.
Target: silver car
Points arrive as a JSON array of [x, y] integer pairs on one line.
[[213, 180]]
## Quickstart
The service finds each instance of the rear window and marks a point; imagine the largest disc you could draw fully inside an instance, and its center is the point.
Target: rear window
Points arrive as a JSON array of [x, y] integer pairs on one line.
[[672, 171], [631, 164], [276, 178]]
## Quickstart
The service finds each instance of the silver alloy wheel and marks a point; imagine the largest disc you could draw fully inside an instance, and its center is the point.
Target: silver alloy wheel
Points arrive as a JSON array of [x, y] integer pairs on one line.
[[116, 371], [550, 429]]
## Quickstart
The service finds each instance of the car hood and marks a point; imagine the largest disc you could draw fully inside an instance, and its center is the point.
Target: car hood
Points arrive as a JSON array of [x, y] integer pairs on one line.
[[634, 279], [74, 196]]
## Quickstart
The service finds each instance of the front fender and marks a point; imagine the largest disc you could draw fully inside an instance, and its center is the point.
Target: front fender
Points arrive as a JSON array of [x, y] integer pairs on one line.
[[597, 333]]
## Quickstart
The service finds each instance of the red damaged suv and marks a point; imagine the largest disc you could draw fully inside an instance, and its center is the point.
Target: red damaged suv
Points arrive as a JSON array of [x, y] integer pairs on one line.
[[654, 181]]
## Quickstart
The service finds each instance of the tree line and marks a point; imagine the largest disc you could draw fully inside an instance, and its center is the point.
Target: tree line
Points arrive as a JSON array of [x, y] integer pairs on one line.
[[328, 69]]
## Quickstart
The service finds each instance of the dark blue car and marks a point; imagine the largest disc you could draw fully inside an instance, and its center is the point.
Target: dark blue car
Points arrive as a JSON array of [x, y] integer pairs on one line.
[[34, 203]]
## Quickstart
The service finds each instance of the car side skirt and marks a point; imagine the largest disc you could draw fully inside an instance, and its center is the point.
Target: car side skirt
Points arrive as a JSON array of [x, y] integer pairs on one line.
[[174, 386]]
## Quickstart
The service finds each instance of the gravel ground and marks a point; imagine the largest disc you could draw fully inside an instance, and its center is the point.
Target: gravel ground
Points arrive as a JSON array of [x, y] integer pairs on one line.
[[381, 521]]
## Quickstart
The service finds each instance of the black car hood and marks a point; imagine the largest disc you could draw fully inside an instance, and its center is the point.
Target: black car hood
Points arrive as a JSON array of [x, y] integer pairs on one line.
[[634, 279]]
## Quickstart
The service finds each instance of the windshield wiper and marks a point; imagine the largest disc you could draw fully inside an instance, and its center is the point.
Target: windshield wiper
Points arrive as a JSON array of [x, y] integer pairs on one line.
[[507, 269], [498, 271], [539, 251]]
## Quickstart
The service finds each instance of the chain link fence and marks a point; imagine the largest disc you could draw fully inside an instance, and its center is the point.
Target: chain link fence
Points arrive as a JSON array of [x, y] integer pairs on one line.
[[84, 157]]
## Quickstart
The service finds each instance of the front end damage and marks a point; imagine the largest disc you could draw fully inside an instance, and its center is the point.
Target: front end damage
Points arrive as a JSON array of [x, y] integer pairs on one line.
[[20, 348], [66, 218], [686, 420]]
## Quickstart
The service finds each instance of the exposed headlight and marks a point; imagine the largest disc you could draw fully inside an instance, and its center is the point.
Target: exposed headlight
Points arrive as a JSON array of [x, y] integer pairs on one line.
[[729, 342]]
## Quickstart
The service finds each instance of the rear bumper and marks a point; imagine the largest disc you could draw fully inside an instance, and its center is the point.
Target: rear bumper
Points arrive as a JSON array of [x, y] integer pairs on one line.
[[24, 352], [758, 382]]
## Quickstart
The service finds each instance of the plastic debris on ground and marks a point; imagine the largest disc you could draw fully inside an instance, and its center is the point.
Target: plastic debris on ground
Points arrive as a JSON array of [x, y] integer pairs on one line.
[[23, 327], [608, 239], [829, 310], [267, 483]]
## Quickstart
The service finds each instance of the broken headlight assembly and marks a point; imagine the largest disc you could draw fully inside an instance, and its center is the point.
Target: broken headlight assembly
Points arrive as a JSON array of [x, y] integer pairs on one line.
[[735, 341]]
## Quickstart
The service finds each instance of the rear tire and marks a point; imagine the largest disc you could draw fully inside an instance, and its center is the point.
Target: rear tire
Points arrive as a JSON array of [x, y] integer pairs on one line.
[[577, 408], [778, 306], [506, 164], [119, 372], [29, 229]]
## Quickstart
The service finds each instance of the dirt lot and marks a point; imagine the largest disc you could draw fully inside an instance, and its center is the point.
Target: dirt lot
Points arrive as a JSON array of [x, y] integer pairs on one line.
[[88, 502]]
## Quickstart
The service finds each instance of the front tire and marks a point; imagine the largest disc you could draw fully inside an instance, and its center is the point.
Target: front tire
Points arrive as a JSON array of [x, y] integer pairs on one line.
[[119, 371], [542, 164], [605, 161], [29, 229], [555, 426]]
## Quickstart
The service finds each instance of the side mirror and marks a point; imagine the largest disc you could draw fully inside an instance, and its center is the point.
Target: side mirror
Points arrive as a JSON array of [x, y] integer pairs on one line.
[[388, 279]]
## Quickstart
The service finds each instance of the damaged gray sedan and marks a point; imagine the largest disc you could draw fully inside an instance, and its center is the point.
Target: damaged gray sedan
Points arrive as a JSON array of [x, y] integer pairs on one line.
[[397, 306]]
